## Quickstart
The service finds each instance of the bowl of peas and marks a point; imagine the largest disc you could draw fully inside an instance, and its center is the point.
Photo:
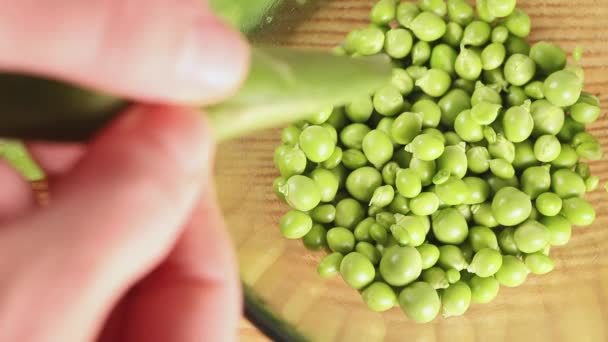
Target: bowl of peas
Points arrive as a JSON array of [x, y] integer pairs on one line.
[[462, 201]]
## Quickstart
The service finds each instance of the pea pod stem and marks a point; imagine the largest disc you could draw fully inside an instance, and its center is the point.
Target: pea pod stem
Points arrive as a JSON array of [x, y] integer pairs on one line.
[[283, 85]]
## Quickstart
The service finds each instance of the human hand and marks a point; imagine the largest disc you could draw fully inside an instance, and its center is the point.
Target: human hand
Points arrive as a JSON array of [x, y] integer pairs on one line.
[[132, 246]]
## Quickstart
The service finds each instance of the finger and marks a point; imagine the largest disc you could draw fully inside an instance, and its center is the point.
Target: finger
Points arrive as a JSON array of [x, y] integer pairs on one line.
[[55, 158], [113, 218], [155, 50], [16, 195], [194, 295]]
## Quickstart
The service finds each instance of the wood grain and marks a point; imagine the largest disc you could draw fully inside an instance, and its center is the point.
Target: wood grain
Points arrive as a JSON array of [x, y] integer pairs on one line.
[[570, 304]]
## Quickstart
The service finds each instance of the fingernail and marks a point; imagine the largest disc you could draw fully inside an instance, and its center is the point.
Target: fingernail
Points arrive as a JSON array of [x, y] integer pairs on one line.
[[213, 61], [169, 131]]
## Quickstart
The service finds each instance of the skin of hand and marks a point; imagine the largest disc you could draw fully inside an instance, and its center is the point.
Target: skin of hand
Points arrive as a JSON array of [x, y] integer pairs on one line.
[[132, 246]]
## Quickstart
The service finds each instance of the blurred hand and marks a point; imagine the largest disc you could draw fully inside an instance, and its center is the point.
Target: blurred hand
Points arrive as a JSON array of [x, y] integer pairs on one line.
[[132, 246]]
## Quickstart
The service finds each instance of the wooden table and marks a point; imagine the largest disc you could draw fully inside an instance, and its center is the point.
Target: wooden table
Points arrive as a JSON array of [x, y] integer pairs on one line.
[[573, 301]]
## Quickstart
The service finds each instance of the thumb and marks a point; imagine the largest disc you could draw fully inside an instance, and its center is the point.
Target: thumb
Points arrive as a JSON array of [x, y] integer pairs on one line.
[[151, 50], [112, 219]]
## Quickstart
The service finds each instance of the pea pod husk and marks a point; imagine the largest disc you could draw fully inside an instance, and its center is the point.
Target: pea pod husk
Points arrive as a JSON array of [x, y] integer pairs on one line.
[[283, 85]]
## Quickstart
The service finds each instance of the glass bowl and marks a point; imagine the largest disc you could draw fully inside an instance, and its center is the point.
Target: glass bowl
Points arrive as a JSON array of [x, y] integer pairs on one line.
[[286, 297]]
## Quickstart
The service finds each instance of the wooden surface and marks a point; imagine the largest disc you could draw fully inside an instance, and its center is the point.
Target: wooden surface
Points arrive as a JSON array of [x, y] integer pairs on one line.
[[569, 304]]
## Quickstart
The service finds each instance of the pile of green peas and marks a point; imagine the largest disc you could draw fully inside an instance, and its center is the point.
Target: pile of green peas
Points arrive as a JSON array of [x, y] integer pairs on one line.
[[455, 178]]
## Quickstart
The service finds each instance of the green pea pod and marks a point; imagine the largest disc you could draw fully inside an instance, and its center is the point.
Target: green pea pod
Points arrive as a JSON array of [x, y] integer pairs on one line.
[[283, 85]]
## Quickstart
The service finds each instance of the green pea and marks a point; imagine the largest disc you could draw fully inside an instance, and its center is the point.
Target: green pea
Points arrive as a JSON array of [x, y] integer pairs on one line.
[[377, 147], [478, 159], [494, 78], [502, 168], [535, 180], [592, 183], [562, 88], [436, 6], [484, 113], [409, 231], [515, 96], [280, 152], [429, 254], [426, 147], [476, 33], [362, 182], [524, 155], [582, 169], [362, 230], [420, 302], [443, 58], [295, 224], [334, 160], [449, 226], [424, 204], [427, 26], [486, 262], [518, 23], [406, 13], [590, 151], [456, 299], [513, 272], [383, 12], [468, 64], [340, 239], [531, 236], [329, 265], [352, 135], [492, 56], [292, 162], [547, 148], [578, 211], [451, 138], [483, 11], [481, 237], [408, 183], [436, 277], [301, 193], [549, 204], [496, 183], [369, 251], [488, 95], [416, 71], [589, 99], [506, 241], [356, 270], [430, 111], [382, 196], [502, 148], [324, 213], [401, 80], [360, 110], [518, 123], [340, 173], [451, 257], [478, 189], [452, 103], [452, 275], [460, 11], [510, 206], [534, 90], [566, 183], [560, 229], [399, 205], [484, 290], [453, 191], [315, 238], [425, 170], [378, 233], [337, 118], [454, 160], [467, 128], [388, 100], [519, 69], [482, 215], [379, 297], [398, 43], [584, 113], [434, 82], [389, 172], [517, 45], [290, 135], [369, 41], [406, 127], [548, 56], [353, 159], [453, 34], [327, 183], [277, 184], [539, 263], [400, 266], [421, 52], [548, 118], [500, 33], [349, 213]]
